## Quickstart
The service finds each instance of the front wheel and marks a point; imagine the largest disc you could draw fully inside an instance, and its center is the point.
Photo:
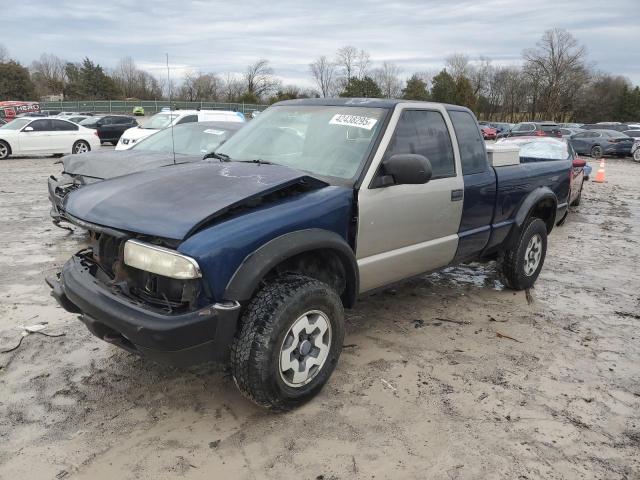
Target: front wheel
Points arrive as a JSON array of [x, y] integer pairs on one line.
[[576, 202], [522, 264], [596, 151], [636, 155], [81, 147], [4, 150], [289, 342]]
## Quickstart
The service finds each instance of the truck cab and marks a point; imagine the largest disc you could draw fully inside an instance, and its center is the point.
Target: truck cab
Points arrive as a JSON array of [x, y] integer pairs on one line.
[[251, 256]]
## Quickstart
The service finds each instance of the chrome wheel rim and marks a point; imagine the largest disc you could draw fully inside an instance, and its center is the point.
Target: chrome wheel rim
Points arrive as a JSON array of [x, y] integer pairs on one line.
[[81, 148], [532, 255], [305, 348], [4, 151]]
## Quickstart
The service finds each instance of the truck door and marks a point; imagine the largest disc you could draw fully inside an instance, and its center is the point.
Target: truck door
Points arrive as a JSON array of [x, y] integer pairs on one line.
[[405, 230], [479, 185]]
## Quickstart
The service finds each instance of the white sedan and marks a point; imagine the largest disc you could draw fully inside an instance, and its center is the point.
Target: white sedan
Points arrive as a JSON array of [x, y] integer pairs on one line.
[[45, 136]]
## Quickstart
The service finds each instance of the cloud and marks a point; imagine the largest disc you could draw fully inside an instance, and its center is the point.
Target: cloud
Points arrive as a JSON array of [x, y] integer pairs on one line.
[[225, 36]]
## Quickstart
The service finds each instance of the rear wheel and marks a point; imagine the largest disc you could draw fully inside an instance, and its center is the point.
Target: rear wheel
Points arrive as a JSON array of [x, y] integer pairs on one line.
[[522, 264], [289, 342], [596, 151], [5, 150], [81, 147]]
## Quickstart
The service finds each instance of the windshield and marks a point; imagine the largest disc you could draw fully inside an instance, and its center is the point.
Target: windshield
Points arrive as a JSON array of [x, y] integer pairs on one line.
[[90, 122], [160, 121], [16, 124], [325, 140], [189, 139]]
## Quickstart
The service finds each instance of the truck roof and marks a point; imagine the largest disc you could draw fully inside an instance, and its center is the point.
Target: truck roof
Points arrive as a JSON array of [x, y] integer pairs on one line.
[[362, 102]]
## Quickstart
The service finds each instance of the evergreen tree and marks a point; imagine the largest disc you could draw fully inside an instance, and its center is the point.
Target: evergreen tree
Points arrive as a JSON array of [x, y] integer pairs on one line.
[[464, 93], [444, 88], [416, 89], [364, 87], [15, 83]]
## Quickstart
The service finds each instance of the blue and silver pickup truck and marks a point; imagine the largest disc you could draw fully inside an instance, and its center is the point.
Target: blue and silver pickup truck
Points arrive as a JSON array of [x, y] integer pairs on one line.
[[250, 257]]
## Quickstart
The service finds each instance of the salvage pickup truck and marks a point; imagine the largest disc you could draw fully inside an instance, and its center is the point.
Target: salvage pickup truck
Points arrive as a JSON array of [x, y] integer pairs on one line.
[[251, 256]]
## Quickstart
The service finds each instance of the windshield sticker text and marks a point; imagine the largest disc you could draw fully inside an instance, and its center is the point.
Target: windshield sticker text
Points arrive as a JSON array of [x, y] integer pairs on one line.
[[353, 121]]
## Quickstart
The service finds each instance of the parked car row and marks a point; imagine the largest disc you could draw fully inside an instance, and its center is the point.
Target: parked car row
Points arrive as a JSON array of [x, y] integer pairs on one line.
[[596, 140]]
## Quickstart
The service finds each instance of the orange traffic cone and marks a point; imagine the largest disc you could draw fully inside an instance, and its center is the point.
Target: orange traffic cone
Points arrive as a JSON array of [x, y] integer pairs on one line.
[[600, 175]]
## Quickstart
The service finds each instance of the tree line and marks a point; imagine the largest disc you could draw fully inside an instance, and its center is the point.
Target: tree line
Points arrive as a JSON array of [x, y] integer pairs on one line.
[[555, 81]]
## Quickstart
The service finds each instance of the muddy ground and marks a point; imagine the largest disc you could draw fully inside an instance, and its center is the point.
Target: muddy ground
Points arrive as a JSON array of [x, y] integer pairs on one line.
[[446, 377]]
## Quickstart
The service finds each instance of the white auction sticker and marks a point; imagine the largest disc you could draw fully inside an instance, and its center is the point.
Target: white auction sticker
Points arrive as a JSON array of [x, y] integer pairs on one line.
[[353, 121], [214, 132]]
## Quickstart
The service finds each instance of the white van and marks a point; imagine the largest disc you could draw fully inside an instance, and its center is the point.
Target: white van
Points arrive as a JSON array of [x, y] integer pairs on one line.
[[176, 117]]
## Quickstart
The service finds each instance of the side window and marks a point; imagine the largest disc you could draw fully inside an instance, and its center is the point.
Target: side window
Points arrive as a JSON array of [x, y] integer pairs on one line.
[[62, 126], [424, 132], [522, 127], [470, 143], [107, 121], [188, 119], [41, 125], [121, 120]]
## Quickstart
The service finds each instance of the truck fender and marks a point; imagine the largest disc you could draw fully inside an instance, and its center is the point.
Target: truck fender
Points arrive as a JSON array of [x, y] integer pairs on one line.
[[257, 264], [527, 207]]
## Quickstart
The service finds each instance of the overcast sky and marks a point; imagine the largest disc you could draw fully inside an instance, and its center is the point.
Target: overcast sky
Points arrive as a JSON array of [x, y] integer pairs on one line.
[[225, 36]]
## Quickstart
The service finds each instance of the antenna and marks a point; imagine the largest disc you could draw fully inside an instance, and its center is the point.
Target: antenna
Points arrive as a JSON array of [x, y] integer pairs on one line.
[[173, 143]]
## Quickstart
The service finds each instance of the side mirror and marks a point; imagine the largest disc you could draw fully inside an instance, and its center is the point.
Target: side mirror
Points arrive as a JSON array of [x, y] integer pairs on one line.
[[579, 162], [404, 169], [28, 129]]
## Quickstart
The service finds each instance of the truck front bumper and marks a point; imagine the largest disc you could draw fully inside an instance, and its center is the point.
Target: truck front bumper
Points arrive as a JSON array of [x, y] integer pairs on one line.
[[175, 339]]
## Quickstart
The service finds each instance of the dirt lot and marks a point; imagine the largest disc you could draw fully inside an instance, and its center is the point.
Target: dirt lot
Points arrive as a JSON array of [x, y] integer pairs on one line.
[[426, 387]]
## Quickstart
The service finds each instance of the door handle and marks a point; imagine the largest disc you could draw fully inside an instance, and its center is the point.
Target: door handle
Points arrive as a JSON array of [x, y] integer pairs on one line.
[[457, 195]]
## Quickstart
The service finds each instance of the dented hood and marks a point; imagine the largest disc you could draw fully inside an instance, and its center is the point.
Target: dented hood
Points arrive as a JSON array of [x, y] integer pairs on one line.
[[115, 163], [174, 201]]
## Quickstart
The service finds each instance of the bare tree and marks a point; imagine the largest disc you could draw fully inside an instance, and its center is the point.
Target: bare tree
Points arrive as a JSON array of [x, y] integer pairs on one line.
[[323, 71], [388, 79], [126, 75], [259, 79], [200, 87], [457, 64], [557, 68], [4, 54], [347, 58], [49, 74], [232, 87], [362, 64]]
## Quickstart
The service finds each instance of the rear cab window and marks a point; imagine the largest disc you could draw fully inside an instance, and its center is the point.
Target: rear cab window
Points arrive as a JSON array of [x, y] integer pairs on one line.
[[470, 143]]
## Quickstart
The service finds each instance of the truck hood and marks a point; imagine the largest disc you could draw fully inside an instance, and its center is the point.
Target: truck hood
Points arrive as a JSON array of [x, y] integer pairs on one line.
[[175, 201], [112, 163]]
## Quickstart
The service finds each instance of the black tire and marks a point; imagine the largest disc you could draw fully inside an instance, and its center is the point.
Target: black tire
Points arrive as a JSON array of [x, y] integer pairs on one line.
[[596, 151], [576, 202], [5, 150], [513, 264], [636, 155], [80, 144], [265, 324]]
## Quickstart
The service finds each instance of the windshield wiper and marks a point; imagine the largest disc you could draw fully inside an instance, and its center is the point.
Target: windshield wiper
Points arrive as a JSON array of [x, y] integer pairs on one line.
[[257, 161], [223, 157]]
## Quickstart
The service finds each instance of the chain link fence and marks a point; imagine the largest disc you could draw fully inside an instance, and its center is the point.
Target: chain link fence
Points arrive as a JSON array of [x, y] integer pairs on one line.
[[150, 106]]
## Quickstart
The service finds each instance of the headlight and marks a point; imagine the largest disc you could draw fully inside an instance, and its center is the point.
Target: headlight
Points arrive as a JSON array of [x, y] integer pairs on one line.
[[162, 261]]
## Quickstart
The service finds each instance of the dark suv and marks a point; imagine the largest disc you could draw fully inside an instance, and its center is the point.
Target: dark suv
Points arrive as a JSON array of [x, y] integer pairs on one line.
[[110, 127], [537, 129]]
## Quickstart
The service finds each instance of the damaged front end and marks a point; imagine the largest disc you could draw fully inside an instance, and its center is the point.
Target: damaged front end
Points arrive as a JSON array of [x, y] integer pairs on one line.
[[170, 320], [59, 189]]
